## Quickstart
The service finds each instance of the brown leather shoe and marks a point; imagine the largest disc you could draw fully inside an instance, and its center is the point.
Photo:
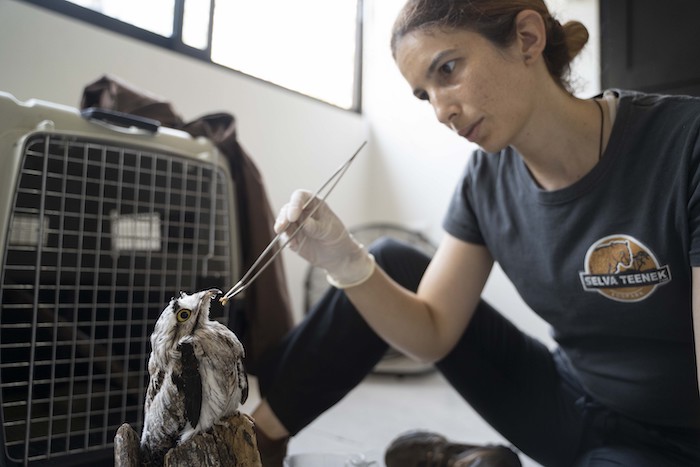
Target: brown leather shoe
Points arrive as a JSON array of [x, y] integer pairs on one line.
[[426, 449], [272, 451], [487, 456]]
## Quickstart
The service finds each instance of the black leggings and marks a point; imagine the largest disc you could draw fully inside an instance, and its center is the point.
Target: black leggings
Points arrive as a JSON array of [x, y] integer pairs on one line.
[[527, 393]]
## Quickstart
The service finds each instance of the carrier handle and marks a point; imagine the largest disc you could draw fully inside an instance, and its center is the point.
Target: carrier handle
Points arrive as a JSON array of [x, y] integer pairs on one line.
[[120, 119]]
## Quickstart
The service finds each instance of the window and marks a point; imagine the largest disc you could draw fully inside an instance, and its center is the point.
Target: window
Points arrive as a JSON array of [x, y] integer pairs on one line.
[[154, 15], [308, 46], [305, 45]]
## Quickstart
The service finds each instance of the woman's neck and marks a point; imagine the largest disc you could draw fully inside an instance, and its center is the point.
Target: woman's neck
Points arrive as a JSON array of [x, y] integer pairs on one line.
[[561, 142]]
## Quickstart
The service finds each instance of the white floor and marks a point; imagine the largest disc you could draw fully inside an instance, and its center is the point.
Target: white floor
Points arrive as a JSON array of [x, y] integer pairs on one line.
[[384, 406]]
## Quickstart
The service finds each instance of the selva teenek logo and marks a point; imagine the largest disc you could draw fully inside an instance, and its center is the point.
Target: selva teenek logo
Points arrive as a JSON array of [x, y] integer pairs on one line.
[[620, 267]]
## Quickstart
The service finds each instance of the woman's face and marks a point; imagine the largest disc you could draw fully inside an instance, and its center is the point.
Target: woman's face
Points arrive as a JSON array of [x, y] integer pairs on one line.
[[481, 91]]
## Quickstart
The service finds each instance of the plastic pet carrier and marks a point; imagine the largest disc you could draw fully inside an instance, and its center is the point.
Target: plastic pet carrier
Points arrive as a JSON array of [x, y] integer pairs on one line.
[[103, 218]]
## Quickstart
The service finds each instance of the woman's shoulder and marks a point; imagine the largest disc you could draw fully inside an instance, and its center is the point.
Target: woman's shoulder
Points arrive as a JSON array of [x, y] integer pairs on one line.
[[642, 101], [658, 115]]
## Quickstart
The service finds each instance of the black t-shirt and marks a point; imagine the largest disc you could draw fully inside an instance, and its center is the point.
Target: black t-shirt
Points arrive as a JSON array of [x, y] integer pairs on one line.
[[606, 261]]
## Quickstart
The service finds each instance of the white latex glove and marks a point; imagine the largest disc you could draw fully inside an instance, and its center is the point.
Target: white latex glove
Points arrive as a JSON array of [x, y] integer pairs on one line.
[[324, 241]]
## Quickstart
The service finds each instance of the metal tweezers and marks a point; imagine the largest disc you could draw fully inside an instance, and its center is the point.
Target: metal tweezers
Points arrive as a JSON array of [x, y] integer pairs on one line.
[[322, 193]]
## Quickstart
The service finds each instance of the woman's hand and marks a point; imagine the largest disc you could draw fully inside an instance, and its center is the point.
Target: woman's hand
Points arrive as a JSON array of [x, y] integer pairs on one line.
[[323, 240]]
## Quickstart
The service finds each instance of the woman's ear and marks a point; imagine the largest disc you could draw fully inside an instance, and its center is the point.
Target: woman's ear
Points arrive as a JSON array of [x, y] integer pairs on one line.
[[531, 35]]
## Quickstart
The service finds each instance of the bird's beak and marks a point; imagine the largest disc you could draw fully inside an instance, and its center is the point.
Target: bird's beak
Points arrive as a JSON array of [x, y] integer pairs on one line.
[[203, 308], [211, 293]]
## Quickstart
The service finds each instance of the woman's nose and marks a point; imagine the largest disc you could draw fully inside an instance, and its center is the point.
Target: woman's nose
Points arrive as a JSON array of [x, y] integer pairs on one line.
[[446, 110]]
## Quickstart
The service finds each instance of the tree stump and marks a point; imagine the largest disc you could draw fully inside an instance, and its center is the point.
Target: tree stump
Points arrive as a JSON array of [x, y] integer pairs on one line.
[[230, 443]]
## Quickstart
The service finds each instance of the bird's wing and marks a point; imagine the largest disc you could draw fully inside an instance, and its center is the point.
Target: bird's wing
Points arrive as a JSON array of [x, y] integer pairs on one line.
[[189, 383]]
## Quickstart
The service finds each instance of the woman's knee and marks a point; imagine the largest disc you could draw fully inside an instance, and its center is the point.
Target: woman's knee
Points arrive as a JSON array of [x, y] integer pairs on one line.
[[401, 261], [610, 456], [386, 249]]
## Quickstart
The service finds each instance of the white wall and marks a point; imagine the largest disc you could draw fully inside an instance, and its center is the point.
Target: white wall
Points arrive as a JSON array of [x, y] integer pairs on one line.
[[405, 175]]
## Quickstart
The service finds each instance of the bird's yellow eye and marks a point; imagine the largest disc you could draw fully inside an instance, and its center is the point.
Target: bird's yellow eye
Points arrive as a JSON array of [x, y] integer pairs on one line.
[[183, 315]]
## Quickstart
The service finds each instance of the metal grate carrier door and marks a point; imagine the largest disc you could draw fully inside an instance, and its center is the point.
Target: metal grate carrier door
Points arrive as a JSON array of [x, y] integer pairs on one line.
[[99, 238]]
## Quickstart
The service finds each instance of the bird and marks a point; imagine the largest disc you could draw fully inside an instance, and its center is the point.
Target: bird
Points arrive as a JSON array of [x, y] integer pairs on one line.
[[196, 375]]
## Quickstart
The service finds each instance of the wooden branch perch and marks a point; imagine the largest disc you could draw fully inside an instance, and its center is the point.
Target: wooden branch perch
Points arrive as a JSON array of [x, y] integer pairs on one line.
[[230, 443]]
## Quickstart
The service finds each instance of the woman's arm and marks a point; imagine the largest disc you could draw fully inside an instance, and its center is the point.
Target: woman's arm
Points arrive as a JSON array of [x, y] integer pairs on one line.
[[427, 324], [696, 319]]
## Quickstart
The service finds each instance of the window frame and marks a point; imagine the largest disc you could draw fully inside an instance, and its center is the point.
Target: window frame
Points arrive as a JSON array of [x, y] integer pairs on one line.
[[175, 43]]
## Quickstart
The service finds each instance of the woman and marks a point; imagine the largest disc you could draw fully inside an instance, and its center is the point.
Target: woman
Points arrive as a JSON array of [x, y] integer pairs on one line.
[[592, 209]]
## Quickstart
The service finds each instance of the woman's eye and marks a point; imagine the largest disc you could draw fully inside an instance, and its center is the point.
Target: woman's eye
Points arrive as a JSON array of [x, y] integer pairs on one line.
[[448, 67], [183, 315]]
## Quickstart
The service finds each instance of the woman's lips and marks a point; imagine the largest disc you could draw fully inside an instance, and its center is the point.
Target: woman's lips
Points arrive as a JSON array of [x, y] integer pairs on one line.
[[471, 132]]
